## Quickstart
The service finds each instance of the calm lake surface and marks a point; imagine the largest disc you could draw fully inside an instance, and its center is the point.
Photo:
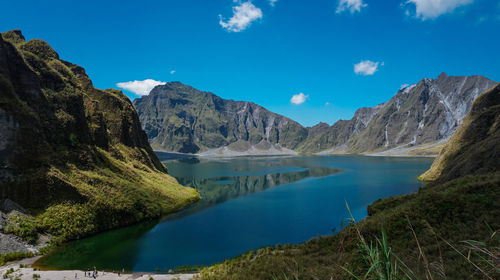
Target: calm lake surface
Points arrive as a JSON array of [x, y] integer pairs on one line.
[[247, 203]]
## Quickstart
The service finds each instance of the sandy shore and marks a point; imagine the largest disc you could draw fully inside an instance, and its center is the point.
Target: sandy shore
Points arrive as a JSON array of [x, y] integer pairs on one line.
[[26, 273]]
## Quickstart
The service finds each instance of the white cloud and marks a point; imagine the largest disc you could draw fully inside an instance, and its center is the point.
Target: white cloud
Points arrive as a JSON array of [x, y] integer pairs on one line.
[[172, 72], [140, 87], [366, 67], [298, 99], [428, 9], [273, 2], [351, 5], [327, 103], [243, 15]]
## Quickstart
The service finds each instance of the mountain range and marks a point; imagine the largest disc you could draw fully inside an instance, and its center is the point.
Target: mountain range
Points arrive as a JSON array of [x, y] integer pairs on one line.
[[416, 121]]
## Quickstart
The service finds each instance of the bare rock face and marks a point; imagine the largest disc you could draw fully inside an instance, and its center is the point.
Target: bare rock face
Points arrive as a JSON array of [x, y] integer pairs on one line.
[[474, 147], [179, 118], [8, 129], [427, 112]]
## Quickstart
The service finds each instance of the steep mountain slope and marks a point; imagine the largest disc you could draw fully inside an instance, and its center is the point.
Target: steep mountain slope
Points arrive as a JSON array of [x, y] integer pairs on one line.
[[474, 148], [335, 138], [180, 118], [427, 112], [418, 119], [447, 230], [74, 155]]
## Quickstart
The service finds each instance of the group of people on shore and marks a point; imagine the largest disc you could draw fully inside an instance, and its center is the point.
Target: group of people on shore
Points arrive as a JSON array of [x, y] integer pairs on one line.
[[91, 274], [94, 273]]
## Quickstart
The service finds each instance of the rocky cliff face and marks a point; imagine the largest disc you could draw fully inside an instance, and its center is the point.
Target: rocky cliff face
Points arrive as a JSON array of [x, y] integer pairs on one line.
[[180, 118], [427, 112], [474, 148], [67, 147]]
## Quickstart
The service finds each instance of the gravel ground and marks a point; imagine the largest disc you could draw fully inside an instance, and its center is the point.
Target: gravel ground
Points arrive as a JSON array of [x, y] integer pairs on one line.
[[26, 273]]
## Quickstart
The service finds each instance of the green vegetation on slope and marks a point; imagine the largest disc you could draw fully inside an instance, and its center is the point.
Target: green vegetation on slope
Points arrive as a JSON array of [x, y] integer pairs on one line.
[[479, 135], [429, 232], [180, 118], [74, 155]]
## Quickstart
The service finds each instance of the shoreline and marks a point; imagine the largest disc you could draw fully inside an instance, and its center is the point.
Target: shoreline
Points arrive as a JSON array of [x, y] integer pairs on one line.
[[388, 153], [22, 269]]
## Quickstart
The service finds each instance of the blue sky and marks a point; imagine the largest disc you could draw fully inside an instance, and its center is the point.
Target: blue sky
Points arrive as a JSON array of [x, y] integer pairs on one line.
[[268, 51]]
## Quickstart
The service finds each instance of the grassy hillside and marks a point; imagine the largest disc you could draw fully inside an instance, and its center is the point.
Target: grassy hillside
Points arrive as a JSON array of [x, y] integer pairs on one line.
[[449, 229], [74, 156], [479, 135]]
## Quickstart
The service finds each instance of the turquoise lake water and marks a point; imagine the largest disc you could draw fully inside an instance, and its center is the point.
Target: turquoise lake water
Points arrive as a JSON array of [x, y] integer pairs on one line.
[[247, 203]]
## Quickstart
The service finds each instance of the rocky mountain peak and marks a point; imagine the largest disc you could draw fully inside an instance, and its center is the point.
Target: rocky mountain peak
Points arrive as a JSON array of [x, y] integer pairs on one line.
[[15, 36], [181, 118], [442, 76]]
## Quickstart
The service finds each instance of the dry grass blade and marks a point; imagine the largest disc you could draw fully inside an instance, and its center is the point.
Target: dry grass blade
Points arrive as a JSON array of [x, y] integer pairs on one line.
[[428, 274], [469, 261]]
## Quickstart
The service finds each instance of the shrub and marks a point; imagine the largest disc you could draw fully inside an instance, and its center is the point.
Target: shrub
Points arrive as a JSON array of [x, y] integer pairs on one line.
[[23, 226]]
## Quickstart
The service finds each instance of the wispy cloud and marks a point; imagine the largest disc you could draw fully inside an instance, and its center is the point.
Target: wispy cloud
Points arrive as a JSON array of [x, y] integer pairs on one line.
[[327, 103], [272, 2], [298, 99], [429, 9], [172, 72], [140, 87], [243, 15], [351, 6], [367, 67]]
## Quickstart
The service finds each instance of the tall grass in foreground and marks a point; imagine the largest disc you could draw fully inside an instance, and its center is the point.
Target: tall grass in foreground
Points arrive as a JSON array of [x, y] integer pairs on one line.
[[383, 264], [378, 255]]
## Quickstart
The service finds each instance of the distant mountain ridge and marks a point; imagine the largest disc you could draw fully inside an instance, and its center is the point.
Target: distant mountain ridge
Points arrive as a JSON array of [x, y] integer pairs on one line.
[[426, 112], [180, 118]]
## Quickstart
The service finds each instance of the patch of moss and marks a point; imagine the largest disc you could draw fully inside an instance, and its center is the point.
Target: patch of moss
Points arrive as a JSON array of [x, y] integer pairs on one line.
[[40, 48]]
